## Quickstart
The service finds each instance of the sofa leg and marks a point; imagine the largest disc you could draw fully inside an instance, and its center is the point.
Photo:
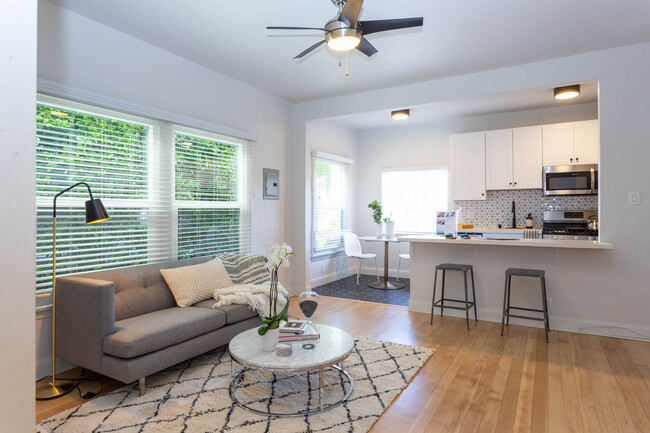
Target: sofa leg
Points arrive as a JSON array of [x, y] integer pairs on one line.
[[141, 386]]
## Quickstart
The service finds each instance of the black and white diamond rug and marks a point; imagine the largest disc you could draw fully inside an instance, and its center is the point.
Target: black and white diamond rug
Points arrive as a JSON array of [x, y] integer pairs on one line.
[[194, 396]]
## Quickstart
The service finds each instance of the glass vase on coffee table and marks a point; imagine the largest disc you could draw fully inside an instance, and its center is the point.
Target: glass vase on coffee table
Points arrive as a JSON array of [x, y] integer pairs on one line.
[[308, 303]]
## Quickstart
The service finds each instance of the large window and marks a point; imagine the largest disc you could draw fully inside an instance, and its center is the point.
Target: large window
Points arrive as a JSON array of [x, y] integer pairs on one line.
[[169, 193], [411, 197], [210, 196], [331, 203]]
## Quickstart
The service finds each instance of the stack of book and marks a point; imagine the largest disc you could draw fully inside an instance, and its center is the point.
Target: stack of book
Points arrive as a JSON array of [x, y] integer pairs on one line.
[[297, 330]]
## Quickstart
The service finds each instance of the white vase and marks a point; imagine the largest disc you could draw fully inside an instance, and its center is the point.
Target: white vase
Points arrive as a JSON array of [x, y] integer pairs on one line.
[[380, 230], [270, 340], [390, 229]]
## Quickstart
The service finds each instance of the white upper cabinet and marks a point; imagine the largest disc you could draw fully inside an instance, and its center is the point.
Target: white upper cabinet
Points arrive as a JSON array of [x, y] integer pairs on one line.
[[527, 157], [571, 143], [513, 158], [468, 166], [558, 144], [586, 142], [498, 159]]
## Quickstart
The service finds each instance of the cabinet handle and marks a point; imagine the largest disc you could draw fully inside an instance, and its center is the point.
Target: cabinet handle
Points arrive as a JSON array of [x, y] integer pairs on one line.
[[510, 183], [482, 193], [515, 183], [577, 159], [571, 160]]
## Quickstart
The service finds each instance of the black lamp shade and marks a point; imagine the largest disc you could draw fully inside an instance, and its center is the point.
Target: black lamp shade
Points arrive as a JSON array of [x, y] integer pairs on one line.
[[95, 211]]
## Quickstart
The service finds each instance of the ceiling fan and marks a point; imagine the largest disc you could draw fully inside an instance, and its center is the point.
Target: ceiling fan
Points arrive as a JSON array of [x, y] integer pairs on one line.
[[346, 32]]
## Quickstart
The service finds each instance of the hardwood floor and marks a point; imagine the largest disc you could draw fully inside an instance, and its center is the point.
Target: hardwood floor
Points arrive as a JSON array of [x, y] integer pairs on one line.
[[478, 381]]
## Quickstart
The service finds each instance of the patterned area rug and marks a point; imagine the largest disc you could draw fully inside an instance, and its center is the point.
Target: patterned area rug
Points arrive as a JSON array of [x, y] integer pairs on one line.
[[194, 396]]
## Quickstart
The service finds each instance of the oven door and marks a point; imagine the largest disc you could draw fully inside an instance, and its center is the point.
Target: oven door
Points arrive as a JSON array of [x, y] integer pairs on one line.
[[571, 179]]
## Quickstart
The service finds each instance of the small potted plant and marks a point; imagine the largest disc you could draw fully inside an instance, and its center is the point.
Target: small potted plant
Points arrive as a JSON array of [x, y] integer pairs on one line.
[[277, 257], [390, 227], [376, 216]]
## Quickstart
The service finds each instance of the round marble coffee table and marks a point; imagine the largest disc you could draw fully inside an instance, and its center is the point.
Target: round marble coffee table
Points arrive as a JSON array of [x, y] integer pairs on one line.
[[334, 346]]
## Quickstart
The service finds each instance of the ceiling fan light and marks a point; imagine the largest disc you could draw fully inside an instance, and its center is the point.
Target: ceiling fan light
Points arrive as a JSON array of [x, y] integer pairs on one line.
[[401, 114], [343, 39], [566, 92], [343, 43]]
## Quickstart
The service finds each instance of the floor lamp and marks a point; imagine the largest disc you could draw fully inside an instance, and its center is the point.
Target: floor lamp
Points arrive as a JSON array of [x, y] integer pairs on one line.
[[95, 212]]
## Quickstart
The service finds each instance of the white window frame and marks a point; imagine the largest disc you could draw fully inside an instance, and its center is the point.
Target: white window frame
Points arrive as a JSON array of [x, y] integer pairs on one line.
[[346, 206], [417, 169], [160, 173]]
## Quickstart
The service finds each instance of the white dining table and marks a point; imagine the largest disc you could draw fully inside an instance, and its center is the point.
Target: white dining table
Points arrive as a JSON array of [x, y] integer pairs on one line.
[[383, 285]]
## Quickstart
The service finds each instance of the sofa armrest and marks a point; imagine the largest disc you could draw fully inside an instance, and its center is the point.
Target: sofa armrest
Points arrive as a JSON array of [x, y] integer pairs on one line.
[[85, 314]]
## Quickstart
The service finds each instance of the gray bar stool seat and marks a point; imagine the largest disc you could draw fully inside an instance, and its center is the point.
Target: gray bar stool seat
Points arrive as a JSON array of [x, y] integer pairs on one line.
[[534, 273], [441, 303]]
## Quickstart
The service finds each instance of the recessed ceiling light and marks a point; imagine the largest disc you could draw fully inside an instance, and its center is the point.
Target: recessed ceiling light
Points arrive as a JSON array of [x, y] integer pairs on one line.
[[567, 92], [400, 114], [59, 113]]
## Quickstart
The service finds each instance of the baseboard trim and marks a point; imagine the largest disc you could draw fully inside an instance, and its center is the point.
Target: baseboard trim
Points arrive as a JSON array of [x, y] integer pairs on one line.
[[593, 327]]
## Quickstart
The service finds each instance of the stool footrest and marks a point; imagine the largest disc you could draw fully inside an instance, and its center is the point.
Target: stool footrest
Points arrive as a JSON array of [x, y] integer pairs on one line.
[[527, 309], [541, 319], [439, 304]]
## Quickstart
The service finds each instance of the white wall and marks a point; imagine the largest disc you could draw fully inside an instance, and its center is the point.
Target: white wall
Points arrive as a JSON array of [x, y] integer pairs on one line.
[[596, 287], [334, 139], [18, 216], [78, 53], [427, 144]]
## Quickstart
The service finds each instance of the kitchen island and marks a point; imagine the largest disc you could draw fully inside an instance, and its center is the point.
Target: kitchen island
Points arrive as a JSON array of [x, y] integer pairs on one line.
[[571, 267]]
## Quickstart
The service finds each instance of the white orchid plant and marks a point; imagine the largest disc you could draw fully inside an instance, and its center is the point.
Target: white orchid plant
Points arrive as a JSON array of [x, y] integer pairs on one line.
[[277, 257]]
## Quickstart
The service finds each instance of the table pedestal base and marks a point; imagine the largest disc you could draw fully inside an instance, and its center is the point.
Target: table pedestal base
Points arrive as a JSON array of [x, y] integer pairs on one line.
[[386, 285]]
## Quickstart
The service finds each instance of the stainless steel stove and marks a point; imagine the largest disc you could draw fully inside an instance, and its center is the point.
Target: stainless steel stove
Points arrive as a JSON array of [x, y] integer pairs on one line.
[[569, 225]]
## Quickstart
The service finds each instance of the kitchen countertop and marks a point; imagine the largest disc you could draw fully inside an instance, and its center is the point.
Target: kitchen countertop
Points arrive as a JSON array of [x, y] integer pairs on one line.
[[537, 243]]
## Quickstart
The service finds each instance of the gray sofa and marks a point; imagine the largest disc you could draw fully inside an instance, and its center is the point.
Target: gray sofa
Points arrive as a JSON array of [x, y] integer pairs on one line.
[[124, 323]]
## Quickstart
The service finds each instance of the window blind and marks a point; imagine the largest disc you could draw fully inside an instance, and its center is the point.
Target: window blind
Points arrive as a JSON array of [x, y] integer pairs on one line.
[[116, 156], [412, 196], [211, 197], [331, 204], [170, 191]]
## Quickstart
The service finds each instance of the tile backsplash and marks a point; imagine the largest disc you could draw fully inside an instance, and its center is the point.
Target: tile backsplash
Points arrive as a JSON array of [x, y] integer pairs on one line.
[[497, 208]]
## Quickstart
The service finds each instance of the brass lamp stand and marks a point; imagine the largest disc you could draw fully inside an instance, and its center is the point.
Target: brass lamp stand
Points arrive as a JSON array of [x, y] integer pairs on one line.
[[95, 212]]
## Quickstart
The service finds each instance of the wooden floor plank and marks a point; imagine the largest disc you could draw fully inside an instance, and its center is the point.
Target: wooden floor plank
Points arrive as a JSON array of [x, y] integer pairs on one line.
[[572, 413], [478, 381], [539, 419], [590, 421]]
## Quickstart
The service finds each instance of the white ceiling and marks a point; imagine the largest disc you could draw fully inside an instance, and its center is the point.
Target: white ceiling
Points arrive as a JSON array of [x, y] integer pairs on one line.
[[503, 103], [458, 37]]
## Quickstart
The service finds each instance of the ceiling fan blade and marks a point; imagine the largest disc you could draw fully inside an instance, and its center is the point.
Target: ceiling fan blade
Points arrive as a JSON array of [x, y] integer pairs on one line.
[[310, 49], [366, 47], [350, 13], [294, 28], [375, 26]]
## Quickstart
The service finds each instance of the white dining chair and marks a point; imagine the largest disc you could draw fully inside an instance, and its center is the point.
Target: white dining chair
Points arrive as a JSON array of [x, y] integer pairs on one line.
[[399, 262], [353, 250]]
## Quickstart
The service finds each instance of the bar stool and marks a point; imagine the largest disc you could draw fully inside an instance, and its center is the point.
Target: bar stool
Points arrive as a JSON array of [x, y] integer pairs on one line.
[[510, 272], [441, 302]]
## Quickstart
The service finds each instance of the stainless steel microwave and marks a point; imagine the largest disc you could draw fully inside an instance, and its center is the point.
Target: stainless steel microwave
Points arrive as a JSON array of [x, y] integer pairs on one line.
[[578, 179]]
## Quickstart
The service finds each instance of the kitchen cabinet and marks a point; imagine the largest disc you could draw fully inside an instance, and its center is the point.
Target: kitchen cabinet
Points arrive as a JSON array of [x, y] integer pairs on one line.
[[586, 143], [468, 166], [570, 143], [513, 158]]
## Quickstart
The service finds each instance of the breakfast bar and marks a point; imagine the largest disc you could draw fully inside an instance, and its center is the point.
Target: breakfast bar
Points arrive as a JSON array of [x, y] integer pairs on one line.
[[570, 265]]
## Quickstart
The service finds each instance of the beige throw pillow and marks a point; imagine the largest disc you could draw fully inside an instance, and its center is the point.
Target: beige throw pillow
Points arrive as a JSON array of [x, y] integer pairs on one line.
[[192, 284]]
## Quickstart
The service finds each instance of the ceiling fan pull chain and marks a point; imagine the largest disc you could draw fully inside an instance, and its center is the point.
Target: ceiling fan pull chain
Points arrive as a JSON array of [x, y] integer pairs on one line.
[[347, 72]]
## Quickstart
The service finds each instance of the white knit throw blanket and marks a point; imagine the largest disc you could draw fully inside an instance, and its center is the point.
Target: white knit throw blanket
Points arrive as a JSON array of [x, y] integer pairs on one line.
[[256, 296]]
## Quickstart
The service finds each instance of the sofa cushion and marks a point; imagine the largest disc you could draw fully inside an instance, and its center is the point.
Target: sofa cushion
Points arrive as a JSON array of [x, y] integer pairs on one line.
[[141, 289], [245, 268], [153, 331], [191, 284], [234, 313]]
